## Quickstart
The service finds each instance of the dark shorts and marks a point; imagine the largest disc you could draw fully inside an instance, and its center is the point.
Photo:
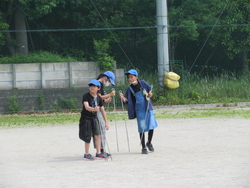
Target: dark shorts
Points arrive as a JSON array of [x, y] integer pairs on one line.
[[88, 127]]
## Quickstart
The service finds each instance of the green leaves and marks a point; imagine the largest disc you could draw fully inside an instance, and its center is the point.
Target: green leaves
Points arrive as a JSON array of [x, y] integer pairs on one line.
[[106, 62]]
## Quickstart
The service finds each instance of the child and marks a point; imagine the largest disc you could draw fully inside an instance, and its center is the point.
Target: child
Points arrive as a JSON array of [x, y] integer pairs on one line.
[[137, 97], [89, 124], [106, 79]]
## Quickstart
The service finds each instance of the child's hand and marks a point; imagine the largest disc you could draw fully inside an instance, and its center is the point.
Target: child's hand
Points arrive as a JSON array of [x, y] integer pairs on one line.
[[108, 100], [150, 94], [121, 95], [96, 109], [107, 126], [112, 93]]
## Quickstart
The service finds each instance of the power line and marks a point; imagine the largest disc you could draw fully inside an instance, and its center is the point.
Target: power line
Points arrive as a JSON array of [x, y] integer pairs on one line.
[[123, 28], [32, 30], [85, 29], [208, 36], [112, 34]]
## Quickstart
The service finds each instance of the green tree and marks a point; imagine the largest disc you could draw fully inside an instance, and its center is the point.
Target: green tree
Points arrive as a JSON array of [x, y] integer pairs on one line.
[[236, 36], [106, 62], [231, 38], [15, 15], [3, 26]]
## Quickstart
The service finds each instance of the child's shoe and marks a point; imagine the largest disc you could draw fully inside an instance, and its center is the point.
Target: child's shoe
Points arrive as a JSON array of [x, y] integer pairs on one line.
[[150, 147], [101, 156], [105, 154], [89, 157], [144, 151]]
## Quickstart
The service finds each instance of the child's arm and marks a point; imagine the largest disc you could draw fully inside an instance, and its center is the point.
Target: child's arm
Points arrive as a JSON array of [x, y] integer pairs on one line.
[[111, 94], [149, 88], [92, 109], [124, 99], [104, 117]]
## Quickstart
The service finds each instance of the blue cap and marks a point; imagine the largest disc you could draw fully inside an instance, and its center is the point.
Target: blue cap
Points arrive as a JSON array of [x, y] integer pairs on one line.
[[132, 71], [95, 82], [111, 77]]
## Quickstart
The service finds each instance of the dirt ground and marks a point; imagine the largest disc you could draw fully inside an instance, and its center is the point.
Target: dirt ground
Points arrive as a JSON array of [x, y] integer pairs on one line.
[[207, 152]]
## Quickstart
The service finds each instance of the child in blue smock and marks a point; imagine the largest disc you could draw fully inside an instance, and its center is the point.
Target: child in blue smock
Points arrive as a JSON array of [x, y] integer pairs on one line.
[[137, 97]]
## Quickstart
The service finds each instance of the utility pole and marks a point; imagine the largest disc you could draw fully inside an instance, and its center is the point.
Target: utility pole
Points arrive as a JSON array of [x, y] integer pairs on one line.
[[162, 39]]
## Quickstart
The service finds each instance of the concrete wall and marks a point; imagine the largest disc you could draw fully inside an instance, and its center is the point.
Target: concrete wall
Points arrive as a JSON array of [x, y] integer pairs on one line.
[[28, 99], [50, 75], [53, 80]]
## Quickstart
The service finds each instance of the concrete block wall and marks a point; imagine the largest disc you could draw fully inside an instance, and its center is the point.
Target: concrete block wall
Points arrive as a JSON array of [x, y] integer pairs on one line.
[[26, 76], [50, 75], [55, 80], [6, 76], [28, 99]]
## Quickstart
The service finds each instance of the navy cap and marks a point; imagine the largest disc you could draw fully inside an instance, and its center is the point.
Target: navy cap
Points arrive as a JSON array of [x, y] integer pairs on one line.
[[95, 82], [111, 77], [132, 71]]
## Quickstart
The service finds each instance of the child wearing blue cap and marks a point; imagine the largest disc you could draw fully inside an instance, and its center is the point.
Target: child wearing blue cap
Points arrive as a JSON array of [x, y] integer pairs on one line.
[[89, 124], [137, 97], [106, 79]]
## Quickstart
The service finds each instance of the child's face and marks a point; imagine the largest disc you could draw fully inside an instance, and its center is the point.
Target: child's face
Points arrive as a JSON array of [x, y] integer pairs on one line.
[[131, 78], [93, 89]]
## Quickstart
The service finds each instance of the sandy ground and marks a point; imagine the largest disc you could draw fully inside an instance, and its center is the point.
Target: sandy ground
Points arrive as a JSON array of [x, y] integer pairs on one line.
[[188, 153]]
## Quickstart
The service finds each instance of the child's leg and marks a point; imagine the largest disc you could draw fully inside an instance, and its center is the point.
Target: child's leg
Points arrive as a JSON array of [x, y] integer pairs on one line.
[[150, 135], [103, 136], [142, 139], [87, 145], [87, 155], [98, 143]]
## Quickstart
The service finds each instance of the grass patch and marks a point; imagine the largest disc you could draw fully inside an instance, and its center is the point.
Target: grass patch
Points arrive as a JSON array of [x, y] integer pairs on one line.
[[38, 119], [228, 112], [73, 118], [225, 88]]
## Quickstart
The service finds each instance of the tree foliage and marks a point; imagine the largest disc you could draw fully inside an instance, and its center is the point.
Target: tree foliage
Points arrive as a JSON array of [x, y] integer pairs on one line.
[[213, 32]]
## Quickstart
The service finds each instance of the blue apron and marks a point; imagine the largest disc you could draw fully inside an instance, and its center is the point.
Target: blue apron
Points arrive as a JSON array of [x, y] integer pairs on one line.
[[141, 108]]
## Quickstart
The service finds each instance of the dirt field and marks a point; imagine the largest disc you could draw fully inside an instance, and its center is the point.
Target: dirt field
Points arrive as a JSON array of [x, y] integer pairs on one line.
[[188, 153]]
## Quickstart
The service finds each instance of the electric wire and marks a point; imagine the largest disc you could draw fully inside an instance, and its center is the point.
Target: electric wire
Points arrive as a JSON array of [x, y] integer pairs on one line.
[[112, 34], [120, 28], [125, 28], [208, 36], [37, 26]]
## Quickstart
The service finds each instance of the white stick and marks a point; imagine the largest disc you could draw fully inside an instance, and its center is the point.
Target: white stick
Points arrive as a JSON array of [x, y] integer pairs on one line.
[[115, 122], [125, 124]]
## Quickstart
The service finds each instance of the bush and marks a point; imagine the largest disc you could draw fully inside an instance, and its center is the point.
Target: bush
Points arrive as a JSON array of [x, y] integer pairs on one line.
[[36, 57], [13, 103]]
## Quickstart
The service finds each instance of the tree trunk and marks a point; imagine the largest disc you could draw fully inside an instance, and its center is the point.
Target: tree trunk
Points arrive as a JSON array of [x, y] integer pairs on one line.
[[9, 44], [245, 66], [8, 40], [21, 37]]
